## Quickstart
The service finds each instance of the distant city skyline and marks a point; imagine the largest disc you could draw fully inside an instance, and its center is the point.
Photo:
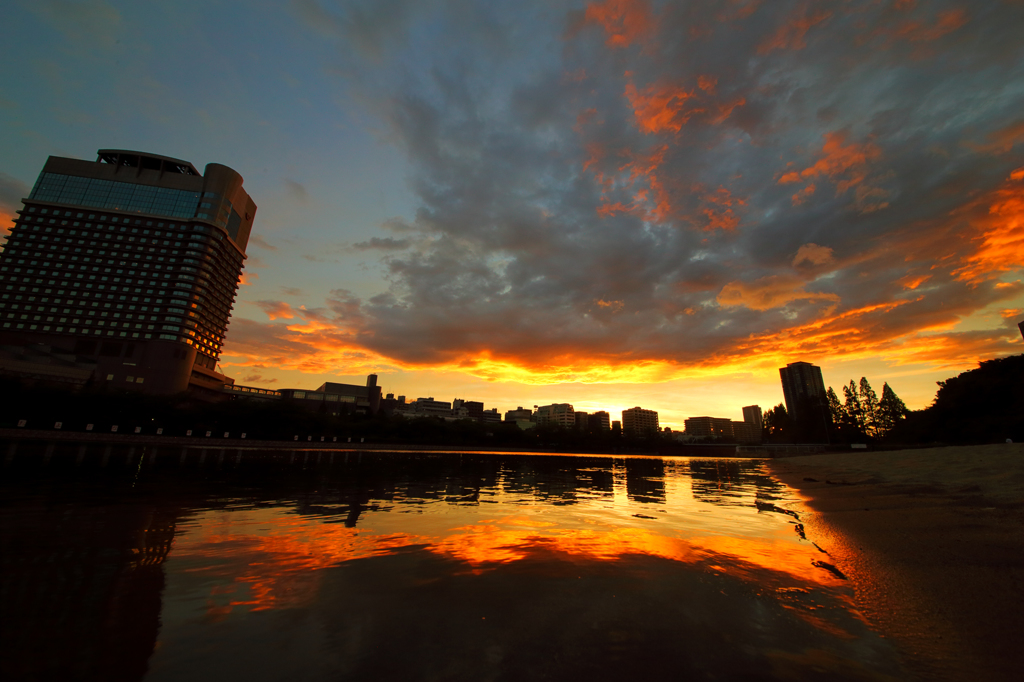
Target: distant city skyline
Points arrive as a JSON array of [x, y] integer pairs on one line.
[[535, 202]]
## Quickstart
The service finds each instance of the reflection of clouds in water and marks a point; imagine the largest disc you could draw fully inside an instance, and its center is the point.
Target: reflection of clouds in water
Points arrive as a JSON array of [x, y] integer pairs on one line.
[[522, 514], [395, 566]]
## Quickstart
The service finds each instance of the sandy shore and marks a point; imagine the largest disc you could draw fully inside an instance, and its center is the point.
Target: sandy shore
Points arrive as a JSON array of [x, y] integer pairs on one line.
[[933, 542]]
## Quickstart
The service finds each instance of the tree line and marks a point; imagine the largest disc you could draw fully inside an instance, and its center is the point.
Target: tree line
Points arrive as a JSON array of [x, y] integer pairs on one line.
[[860, 416]]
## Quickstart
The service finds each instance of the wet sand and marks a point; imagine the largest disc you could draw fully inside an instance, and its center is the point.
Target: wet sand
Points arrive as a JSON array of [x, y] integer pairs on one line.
[[933, 542]]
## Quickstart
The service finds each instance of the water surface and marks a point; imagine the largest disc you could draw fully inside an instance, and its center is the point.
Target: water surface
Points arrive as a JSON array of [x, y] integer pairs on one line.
[[167, 564]]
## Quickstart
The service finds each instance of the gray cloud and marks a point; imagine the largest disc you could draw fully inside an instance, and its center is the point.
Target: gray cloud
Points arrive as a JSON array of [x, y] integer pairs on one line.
[[382, 244], [659, 200], [296, 190], [12, 191]]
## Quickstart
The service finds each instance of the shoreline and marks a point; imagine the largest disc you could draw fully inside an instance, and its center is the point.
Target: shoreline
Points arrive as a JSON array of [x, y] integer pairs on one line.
[[932, 541], [213, 442]]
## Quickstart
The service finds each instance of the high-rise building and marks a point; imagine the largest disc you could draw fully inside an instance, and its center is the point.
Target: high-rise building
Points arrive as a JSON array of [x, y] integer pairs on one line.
[[637, 420], [124, 269], [802, 387], [752, 415]]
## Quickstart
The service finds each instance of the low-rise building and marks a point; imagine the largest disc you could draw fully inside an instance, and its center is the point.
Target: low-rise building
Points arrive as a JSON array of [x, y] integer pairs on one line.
[[600, 420], [519, 414], [709, 427], [491, 416], [562, 414], [637, 420], [333, 398]]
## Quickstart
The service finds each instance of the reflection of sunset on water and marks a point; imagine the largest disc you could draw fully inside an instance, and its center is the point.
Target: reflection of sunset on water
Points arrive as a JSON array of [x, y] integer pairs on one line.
[[427, 566], [261, 558]]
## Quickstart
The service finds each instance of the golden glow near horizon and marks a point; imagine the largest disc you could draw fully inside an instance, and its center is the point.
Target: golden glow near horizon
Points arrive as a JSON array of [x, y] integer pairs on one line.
[[627, 203]]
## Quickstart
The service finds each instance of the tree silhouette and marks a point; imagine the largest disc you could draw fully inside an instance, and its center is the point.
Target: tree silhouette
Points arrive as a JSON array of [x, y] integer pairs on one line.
[[775, 425], [854, 410], [891, 410], [869, 408]]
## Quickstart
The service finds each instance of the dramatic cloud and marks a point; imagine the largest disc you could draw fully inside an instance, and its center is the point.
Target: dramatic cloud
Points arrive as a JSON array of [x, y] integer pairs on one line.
[[642, 191]]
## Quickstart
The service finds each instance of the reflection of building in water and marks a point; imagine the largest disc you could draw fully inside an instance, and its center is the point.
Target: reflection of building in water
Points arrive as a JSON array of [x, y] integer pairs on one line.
[[730, 481], [645, 480], [82, 589]]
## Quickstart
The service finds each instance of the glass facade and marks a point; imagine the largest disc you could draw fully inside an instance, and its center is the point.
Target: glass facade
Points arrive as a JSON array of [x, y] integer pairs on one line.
[[116, 196]]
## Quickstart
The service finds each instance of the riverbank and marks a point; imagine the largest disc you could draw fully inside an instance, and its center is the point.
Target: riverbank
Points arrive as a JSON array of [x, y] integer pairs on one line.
[[933, 542], [222, 441]]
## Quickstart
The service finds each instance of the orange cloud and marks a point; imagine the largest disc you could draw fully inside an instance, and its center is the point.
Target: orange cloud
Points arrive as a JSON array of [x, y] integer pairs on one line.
[[1002, 141], [790, 36], [918, 32], [813, 254], [625, 21], [738, 10], [7, 221], [613, 306], [718, 211], [997, 221], [660, 107], [276, 309], [804, 194], [838, 159], [914, 281], [665, 107], [641, 168], [772, 291]]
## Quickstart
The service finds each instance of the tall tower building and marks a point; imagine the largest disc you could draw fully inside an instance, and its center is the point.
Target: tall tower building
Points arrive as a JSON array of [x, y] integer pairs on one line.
[[802, 386], [123, 271]]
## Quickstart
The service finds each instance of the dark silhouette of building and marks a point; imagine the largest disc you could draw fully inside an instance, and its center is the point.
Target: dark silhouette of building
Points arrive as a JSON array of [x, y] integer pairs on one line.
[[708, 427], [335, 399], [123, 272], [637, 420], [804, 390], [475, 408], [752, 415]]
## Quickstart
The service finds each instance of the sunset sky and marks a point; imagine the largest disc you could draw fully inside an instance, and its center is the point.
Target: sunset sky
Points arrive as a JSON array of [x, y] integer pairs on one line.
[[610, 204]]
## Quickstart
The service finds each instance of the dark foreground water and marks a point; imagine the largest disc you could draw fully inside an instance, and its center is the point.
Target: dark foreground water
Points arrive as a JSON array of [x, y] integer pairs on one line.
[[171, 564]]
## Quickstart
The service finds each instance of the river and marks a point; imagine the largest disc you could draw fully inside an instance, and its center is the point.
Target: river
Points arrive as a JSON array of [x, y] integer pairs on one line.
[[135, 563]]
